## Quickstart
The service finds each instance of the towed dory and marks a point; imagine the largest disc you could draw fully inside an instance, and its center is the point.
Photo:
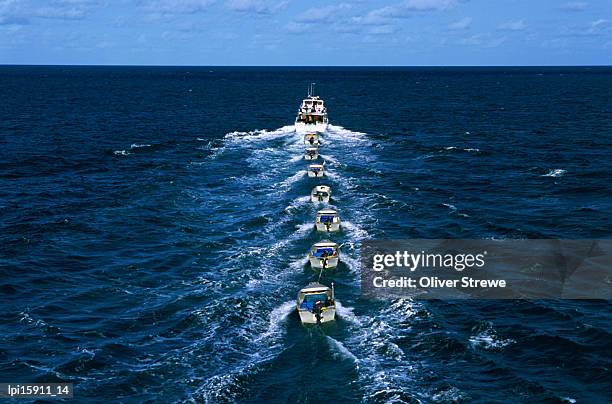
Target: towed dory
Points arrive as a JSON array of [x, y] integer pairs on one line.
[[320, 193], [327, 220], [316, 304], [312, 153], [324, 255], [316, 170]]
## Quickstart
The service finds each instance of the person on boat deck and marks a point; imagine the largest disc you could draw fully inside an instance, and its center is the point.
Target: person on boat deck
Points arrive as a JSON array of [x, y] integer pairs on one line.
[[317, 307], [324, 257], [311, 140]]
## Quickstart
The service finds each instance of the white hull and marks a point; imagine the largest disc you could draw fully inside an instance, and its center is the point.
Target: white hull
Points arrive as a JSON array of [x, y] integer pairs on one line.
[[307, 157], [315, 175], [316, 199], [318, 262], [301, 127], [332, 227], [329, 314]]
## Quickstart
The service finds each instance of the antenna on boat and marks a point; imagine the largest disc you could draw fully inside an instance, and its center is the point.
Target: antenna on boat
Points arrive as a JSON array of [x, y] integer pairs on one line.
[[311, 89]]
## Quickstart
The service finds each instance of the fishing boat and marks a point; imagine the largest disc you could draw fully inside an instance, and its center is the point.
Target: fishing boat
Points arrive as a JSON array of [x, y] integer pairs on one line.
[[324, 255], [315, 170], [316, 304], [327, 220], [312, 115], [312, 139], [320, 193], [312, 153]]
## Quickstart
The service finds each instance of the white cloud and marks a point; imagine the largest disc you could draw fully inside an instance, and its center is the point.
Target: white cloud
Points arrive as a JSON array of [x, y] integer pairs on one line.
[[382, 30], [170, 7], [406, 9], [574, 6], [67, 9], [518, 25], [463, 23], [10, 13], [298, 27], [323, 14], [425, 5], [256, 6], [483, 41], [598, 26]]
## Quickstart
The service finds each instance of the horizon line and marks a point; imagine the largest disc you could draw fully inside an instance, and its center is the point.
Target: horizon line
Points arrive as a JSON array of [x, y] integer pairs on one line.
[[287, 66]]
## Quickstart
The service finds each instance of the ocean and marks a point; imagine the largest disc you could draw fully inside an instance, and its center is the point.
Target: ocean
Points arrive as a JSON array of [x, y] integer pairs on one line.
[[155, 223]]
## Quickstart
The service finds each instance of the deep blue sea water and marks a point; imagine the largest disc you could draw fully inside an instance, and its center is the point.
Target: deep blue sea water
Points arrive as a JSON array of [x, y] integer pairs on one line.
[[154, 227]]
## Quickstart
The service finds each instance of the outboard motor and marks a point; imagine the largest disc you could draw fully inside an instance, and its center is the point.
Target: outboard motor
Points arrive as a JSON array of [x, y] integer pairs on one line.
[[317, 310]]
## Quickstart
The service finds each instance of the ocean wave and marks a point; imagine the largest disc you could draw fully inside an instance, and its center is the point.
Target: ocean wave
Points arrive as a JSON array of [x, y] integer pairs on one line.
[[488, 340], [557, 172], [338, 133], [356, 232], [466, 149], [260, 135], [137, 146], [341, 350]]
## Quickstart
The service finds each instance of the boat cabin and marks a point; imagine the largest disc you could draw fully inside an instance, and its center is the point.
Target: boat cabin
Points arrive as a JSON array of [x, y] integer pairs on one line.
[[311, 139], [312, 153], [324, 255], [320, 193], [327, 220], [315, 170], [316, 304]]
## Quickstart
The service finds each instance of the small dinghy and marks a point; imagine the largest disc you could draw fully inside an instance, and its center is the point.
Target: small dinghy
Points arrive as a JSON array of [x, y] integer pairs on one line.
[[327, 220], [312, 153], [324, 255], [320, 193], [316, 304], [315, 170], [311, 139]]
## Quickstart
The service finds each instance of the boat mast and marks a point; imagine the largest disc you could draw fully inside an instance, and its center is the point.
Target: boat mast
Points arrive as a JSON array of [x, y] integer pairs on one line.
[[333, 292], [311, 89]]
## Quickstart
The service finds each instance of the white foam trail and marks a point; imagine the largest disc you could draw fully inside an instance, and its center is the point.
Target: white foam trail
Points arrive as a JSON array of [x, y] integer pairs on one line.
[[329, 158], [121, 152], [450, 206], [300, 231], [263, 347], [136, 146], [353, 264], [467, 149], [297, 203], [291, 180], [338, 133], [276, 319], [259, 135], [347, 183], [489, 340], [299, 264], [383, 366], [555, 173], [347, 313], [356, 231], [295, 159], [342, 350]]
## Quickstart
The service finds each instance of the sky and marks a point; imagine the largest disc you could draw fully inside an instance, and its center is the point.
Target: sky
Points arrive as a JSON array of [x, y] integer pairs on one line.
[[307, 32]]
